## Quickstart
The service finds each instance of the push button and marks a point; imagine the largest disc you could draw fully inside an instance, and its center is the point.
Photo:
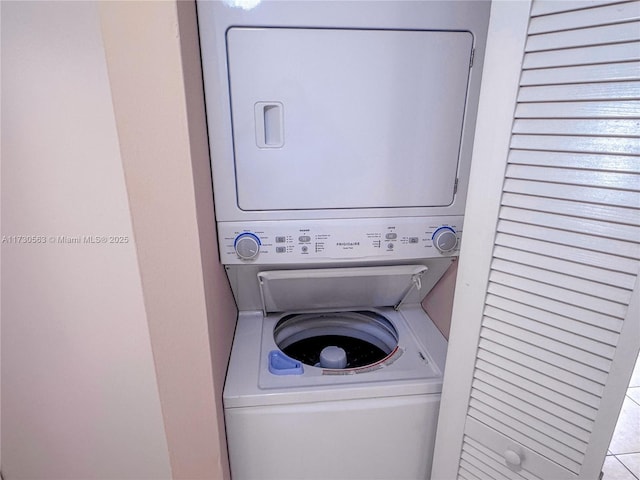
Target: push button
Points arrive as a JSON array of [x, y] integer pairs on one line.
[[391, 236]]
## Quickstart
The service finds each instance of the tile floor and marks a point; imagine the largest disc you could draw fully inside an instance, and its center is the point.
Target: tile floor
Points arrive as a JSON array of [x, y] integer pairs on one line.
[[623, 460]]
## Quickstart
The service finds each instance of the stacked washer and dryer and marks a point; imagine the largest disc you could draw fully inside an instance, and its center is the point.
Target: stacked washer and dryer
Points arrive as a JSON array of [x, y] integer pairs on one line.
[[341, 137]]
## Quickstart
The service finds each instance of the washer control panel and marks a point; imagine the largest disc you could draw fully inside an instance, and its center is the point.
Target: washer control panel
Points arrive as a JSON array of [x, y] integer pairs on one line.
[[318, 241]]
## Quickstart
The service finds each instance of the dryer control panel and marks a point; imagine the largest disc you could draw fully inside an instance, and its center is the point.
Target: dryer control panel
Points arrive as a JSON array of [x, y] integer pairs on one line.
[[324, 241]]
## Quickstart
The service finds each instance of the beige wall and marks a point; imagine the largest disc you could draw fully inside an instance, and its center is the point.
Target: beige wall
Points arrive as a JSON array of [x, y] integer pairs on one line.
[[79, 392], [154, 68], [439, 301], [113, 356]]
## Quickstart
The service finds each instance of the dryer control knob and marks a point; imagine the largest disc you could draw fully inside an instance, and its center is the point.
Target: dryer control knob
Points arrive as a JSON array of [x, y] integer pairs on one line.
[[247, 246], [445, 239]]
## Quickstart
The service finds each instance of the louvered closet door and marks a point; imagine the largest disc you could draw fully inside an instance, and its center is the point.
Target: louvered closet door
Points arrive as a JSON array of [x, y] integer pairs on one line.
[[556, 329]]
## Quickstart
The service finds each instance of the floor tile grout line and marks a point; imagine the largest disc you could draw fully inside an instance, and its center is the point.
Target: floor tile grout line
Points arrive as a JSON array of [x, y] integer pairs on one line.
[[632, 399], [623, 464]]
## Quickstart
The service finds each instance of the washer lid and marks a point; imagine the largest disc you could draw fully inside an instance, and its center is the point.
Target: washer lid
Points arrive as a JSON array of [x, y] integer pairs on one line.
[[286, 290]]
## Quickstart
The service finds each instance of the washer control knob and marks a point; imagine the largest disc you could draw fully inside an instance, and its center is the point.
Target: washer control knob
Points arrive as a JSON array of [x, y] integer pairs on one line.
[[445, 239], [247, 246]]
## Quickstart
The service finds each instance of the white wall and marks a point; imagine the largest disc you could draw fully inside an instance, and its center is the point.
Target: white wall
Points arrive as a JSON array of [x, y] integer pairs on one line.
[[79, 391]]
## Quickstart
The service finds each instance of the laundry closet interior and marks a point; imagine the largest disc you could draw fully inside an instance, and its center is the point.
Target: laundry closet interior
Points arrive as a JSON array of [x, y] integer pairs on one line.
[[341, 136]]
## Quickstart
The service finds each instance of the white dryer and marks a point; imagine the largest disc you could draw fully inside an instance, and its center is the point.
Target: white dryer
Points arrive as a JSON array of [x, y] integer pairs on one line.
[[341, 135]]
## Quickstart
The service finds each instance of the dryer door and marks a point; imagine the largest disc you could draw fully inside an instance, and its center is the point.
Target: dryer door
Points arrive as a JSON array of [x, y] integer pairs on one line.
[[342, 118]]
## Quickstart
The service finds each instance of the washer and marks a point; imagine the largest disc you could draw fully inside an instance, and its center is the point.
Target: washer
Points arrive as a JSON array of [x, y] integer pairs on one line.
[[288, 416]]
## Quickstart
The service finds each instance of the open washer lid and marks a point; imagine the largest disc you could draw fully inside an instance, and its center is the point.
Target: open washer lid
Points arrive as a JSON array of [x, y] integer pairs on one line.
[[290, 290]]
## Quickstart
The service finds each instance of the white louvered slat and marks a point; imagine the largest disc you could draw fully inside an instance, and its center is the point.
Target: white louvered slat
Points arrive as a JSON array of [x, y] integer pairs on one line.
[[621, 281], [543, 351], [603, 196], [587, 17], [517, 392], [526, 435], [584, 315], [587, 257], [559, 385], [595, 109], [469, 451], [466, 474], [567, 282], [516, 402], [609, 34], [523, 434], [595, 337], [532, 421], [567, 246], [484, 380], [579, 360], [531, 465], [595, 127], [583, 91], [546, 7], [549, 291], [592, 178], [546, 372], [578, 161], [598, 228], [543, 391], [588, 226], [581, 74], [487, 470], [498, 467], [620, 52], [608, 213], [488, 456], [573, 239], [567, 342], [566, 143], [472, 470], [462, 476]]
